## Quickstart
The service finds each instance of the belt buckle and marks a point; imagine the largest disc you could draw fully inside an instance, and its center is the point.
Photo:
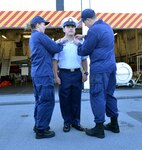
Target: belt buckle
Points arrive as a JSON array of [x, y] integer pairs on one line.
[[72, 70]]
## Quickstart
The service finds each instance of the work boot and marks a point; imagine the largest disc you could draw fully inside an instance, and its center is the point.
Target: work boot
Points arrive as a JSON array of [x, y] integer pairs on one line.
[[113, 125], [40, 134], [35, 129], [97, 131]]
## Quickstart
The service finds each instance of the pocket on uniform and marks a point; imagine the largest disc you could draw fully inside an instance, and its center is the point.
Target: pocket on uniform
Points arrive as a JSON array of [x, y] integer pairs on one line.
[[47, 93], [96, 88]]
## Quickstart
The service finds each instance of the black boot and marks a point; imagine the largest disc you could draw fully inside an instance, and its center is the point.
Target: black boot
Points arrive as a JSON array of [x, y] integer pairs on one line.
[[35, 129], [97, 131], [40, 134], [113, 125]]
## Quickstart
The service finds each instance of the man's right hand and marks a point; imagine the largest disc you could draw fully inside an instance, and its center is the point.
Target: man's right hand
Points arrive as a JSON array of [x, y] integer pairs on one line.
[[79, 36], [58, 80]]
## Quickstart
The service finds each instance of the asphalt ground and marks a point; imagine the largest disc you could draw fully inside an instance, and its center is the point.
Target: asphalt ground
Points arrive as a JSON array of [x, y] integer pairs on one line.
[[16, 123]]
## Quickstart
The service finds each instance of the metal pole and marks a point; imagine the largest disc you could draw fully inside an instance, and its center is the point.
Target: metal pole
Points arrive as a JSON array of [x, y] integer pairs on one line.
[[81, 5], [89, 3]]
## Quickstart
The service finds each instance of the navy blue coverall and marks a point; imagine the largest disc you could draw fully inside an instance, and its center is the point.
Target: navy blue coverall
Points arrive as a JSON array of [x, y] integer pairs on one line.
[[42, 49], [99, 45]]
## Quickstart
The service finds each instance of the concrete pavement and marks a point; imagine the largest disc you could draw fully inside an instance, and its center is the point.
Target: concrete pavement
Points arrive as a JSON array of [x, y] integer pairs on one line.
[[17, 122]]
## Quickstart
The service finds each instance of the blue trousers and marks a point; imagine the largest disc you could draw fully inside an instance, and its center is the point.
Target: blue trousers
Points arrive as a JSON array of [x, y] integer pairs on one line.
[[102, 87], [44, 101], [70, 96]]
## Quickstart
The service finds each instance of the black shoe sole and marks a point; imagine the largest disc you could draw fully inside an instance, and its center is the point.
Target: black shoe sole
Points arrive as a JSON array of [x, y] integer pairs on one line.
[[114, 131], [108, 128], [93, 135], [44, 136], [78, 128]]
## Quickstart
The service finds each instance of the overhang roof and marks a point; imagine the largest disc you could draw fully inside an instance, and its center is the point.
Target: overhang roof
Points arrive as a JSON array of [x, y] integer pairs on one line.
[[19, 19]]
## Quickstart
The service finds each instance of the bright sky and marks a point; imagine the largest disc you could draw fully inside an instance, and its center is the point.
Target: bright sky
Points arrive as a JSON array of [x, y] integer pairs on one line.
[[30, 5], [117, 6]]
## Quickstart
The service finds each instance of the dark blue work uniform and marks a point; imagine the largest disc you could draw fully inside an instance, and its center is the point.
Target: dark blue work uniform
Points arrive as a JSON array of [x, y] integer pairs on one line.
[[42, 49], [99, 45]]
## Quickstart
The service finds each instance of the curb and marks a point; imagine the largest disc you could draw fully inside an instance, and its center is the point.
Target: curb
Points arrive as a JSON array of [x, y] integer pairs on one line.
[[57, 101]]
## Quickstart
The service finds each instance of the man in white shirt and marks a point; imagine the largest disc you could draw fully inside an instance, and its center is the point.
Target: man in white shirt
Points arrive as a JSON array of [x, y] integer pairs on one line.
[[70, 71]]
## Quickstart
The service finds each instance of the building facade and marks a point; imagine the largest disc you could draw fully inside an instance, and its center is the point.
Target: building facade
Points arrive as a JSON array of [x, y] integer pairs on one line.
[[125, 18]]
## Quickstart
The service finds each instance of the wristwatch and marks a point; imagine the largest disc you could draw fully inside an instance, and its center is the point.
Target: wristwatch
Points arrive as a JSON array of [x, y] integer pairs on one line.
[[86, 73]]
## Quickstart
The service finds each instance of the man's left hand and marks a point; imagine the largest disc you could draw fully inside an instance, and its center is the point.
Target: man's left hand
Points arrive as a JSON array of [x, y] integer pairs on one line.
[[84, 77], [76, 41]]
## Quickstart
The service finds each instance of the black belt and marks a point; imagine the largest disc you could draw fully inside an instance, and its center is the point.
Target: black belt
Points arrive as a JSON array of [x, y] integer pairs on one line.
[[70, 70]]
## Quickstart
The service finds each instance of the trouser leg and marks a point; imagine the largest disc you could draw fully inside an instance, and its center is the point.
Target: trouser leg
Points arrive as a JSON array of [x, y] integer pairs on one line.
[[70, 96], [65, 97], [111, 101], [97, 97], [45, 104], [76, 97], [36, 102]]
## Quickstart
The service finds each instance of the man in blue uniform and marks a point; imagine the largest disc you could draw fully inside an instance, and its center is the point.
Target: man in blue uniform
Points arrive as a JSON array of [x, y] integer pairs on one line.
[[42, 49], [70, 76], [99, 45]]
